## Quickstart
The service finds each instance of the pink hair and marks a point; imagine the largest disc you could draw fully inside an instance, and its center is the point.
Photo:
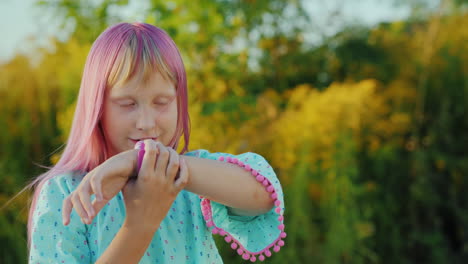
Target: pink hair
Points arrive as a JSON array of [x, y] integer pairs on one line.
[[120, 53]]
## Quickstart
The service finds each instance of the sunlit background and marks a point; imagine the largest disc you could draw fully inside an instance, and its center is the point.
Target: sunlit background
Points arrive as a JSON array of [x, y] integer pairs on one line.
[[360, 106]]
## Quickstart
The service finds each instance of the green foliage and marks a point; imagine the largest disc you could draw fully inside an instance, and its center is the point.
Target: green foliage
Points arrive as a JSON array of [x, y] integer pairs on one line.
[[367, 131]]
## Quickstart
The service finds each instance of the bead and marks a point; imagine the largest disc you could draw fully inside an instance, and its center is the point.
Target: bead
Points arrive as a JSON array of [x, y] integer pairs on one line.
[[233, 245], [274, 195], [214, 231], [281, 227], [260, 178], [270, 188], [265, 182], [228, 239], [221, 158], [228, 159], [280, 218], [245, 256], [277, 203], [261, 258], [278, 210], [283, 234], [209, 224], [247, 167], [267, 253], [222, 232], [240, 163], [281, 243], [253, 259], [234, 160], [276, 249], [254, 172], [206, 215], [240, 251]]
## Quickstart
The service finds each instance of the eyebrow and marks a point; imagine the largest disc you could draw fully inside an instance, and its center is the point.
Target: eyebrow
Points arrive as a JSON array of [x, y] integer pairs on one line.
[[129, 96]]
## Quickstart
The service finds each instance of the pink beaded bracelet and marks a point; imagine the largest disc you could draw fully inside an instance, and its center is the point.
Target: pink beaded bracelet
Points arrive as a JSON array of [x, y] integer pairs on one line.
[[235, 244]]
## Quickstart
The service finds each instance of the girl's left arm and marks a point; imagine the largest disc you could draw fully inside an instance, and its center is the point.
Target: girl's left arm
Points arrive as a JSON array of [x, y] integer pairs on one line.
[[241, 200], [228, 184]]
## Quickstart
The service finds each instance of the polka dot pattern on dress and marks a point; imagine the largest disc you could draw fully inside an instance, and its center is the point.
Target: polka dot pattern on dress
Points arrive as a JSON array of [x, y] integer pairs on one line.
[[183, 236]]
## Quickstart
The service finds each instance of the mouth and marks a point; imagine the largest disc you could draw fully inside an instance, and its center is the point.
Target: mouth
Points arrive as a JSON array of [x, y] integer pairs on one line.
[[141, 139]]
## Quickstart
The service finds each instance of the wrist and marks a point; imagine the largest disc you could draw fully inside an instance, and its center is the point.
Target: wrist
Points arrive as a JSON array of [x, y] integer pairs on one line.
[[129, 161]]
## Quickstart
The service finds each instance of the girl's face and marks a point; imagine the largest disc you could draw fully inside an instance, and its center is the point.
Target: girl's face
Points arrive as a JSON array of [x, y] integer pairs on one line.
[[139, 110]]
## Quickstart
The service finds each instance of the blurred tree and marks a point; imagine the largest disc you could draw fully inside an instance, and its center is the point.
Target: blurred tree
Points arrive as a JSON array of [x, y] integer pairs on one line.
[[367, 130]]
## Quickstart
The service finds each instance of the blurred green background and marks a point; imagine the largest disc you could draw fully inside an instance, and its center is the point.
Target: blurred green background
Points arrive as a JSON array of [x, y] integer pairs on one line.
[[365, 124]]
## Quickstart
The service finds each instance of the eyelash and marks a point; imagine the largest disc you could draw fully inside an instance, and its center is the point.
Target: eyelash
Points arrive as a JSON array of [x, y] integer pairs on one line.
[[127, 105], [133, 104]]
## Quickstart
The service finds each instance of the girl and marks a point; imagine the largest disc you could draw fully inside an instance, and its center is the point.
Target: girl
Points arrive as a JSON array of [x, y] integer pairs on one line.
[[135, 198]]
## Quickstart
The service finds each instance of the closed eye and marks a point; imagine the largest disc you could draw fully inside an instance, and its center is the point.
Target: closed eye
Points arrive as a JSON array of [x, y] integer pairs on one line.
[[165, 101], [127, 105]]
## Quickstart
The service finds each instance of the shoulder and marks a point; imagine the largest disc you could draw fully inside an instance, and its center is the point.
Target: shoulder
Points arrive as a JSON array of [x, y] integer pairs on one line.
[[51, 192], [63, 183]]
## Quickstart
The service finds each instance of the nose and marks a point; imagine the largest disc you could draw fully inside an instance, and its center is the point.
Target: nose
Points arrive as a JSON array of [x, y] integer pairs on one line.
[[146, 119]]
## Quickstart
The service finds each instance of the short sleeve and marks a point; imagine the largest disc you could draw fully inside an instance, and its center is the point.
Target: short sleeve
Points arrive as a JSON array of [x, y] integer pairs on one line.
[[251, 236], [51, 241]]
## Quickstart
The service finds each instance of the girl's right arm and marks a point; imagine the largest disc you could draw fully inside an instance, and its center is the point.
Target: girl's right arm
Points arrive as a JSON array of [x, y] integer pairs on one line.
[[105, 181], [128, 246], [143, 214]]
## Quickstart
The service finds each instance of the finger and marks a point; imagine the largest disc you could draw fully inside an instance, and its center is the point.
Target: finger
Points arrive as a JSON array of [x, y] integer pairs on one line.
[[98, 205], [173, 166], [98, 202], [149, 160], [84, 194], [67, 207], [163, 159], [96, 187], [79, 208], [184, 175]]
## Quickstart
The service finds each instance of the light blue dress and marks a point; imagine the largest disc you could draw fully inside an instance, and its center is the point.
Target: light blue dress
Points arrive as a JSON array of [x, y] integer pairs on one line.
[[183, 236]]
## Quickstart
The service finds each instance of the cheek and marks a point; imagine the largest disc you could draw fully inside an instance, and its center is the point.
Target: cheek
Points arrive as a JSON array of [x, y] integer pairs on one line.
[[114, 120], [168, 117]]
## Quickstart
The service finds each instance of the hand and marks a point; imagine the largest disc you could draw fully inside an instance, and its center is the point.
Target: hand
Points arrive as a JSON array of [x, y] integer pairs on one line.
[[105, 181], [149, 197]]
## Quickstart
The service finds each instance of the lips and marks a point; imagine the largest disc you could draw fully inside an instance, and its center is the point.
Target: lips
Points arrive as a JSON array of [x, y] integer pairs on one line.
[[141, 139]]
